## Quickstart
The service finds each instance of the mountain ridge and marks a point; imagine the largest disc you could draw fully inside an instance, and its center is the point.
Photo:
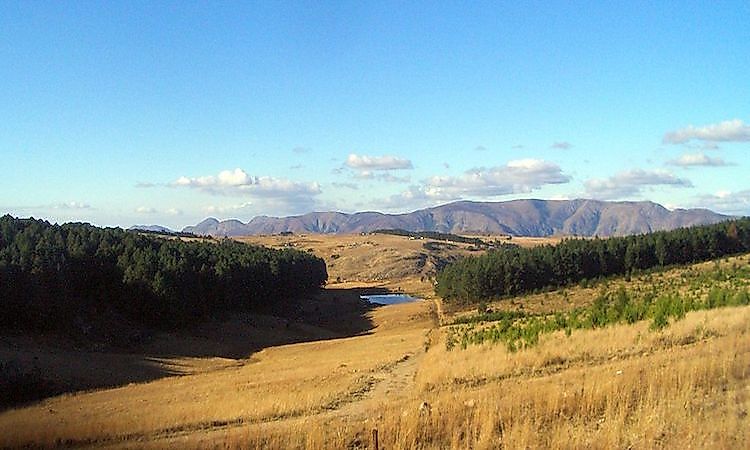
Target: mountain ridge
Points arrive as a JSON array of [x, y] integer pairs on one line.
[[151, 228], [530, 217]]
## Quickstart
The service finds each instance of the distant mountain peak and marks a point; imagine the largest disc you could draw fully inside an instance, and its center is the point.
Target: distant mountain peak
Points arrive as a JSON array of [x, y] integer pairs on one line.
[[527, 217], [151, 228]]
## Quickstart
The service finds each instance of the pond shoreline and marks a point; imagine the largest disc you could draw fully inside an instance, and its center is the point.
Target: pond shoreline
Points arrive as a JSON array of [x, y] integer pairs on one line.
[[388, 299]]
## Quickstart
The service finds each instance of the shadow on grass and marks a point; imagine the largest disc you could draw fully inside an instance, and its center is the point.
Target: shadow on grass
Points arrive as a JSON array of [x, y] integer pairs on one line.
[[33, 368]]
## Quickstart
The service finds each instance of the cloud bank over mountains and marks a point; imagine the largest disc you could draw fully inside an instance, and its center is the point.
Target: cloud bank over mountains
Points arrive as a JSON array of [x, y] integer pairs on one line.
[[368, 181], [629, 183]]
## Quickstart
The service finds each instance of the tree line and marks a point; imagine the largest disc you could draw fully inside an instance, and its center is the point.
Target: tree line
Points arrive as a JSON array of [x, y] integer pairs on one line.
[[50, 274], [512, 271], [436, 235]]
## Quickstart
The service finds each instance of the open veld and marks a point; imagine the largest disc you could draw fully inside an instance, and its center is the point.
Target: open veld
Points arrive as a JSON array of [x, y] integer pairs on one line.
[[392, 262], [418, 373]]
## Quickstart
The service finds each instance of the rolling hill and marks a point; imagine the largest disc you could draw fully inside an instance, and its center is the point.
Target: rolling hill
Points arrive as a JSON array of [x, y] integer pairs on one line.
[[536, 218]]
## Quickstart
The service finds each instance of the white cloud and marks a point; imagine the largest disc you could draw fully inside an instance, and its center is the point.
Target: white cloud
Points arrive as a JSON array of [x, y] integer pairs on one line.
[[387, 177], [268, 195], [352, 186], [631, 182], [698, 159], [145, 210], [563, 145], [239, 182], [225, 178], [703, 146], [223, 209], [727, 131], [518, 176], [728, 202], [387, 162], [71, 205]]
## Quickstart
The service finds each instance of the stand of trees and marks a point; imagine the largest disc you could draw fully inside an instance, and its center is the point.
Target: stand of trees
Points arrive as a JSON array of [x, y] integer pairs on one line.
[[436, 235], [52, 274], [514, 270]]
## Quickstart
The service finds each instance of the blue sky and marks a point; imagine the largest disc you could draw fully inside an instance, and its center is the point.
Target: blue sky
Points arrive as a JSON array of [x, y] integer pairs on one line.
[[122, 113]]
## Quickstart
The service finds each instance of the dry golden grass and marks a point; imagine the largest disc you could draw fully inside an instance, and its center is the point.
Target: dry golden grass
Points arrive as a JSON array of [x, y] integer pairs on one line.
[[393, 262], [624, 386], [396, 263], [276, 383], [620, 387]]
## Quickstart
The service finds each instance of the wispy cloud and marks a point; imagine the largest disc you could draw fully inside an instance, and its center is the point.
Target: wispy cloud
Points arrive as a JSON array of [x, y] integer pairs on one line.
[[352, 186], [518, 176], [381, 176], [562, 145], [70, 205], [62, 206], [703, 146], [698, 159], [387, 162], [631, 183], [737, 203], [727, 131], [228, 209]]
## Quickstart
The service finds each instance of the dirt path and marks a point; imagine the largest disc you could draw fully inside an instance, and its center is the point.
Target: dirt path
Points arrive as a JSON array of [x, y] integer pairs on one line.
[[391, 383]]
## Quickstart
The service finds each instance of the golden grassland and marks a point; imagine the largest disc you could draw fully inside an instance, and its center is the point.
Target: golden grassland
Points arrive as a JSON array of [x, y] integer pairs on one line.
[[393, 262], [619, 387], [275, 383], [622, 386]]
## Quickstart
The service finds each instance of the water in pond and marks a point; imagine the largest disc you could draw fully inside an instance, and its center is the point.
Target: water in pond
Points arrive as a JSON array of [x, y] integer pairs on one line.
[[388, 299]]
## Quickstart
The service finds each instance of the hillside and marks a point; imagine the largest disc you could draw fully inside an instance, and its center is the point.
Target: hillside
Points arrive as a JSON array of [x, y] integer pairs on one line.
[[604, 385], [393, 262], [67, 278], [536, 218]]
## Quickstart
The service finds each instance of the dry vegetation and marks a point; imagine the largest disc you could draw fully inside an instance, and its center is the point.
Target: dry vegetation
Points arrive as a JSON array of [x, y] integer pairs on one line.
[[621, 386], [276, 383], [394, 262]]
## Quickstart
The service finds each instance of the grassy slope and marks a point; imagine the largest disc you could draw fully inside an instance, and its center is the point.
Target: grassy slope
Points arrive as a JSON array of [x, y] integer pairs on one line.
[[393, 262], [613, 387]]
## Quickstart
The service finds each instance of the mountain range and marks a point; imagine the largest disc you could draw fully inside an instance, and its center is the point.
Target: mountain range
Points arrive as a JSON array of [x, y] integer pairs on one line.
[[151, 228], [580, 217]]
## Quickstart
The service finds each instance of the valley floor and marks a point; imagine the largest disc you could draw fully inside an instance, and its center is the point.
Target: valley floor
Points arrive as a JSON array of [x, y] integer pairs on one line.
[[620, 386]]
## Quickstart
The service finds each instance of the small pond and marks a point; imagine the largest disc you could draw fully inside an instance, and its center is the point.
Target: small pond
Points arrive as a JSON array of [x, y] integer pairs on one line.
[[388, 299]]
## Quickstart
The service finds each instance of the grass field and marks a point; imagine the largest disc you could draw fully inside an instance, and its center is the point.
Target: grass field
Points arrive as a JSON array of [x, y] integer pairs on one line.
[[685, 385], [393, 262]]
